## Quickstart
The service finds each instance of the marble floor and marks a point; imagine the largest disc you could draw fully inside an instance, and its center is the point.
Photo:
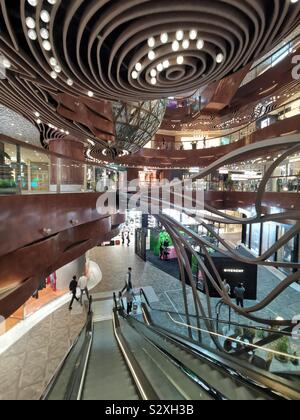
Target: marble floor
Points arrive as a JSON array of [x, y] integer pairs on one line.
[[28, 366]]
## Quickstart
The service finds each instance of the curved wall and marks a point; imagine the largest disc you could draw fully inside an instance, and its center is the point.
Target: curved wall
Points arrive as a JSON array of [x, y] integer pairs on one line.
[[27, 255]]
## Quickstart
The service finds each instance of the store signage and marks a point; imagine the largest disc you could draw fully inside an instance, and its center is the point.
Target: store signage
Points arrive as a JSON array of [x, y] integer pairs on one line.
[[234, 273], [233, 270]]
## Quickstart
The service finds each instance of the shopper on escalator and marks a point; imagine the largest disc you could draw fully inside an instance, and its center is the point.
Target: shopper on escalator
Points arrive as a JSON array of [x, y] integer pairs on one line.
[[129, 295]]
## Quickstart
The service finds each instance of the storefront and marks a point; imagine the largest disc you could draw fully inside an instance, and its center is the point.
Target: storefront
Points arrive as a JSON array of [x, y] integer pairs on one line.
[[261, 237], [51, 289]]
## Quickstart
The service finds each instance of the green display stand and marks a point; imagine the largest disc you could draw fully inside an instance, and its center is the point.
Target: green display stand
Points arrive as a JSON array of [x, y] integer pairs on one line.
[[156, 238]]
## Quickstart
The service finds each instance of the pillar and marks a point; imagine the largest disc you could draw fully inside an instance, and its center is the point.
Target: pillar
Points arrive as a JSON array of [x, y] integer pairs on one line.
[[67, 175]]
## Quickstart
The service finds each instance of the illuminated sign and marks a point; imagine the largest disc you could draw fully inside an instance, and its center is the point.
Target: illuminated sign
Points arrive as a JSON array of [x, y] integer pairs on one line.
[[233, 270]]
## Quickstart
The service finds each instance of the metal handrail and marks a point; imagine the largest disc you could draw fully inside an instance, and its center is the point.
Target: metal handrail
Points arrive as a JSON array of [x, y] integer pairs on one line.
[[213, 392], [142, 383], [288, 45], [257, 328], [76, 378], [240, 130], [261, 380]]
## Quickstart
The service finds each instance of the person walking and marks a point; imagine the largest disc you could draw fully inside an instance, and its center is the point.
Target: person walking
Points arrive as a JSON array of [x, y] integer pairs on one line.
[[129, 295], [73, 289], [128, 238], [239, 292], [83, 285], [128, 281], [161, 252], [227, 287], [123, 237]]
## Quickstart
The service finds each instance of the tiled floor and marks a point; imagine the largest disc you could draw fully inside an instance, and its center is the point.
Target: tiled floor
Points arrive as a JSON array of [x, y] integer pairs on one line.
[[27, 367]]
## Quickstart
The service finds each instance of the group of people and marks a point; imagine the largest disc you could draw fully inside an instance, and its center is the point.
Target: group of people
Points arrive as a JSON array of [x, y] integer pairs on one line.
[[125, 235], [81, 284], [239, 292]]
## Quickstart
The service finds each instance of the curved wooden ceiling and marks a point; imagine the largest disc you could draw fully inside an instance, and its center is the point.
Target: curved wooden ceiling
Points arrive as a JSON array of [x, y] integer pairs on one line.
[[95, 45], [79, 52]]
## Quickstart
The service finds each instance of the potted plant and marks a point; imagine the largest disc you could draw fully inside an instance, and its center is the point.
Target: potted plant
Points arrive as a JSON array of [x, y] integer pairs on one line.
[[283, 346]]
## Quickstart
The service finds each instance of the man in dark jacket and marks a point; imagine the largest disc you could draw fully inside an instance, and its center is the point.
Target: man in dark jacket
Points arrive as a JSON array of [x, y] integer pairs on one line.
[[73, 290], [240, 294]]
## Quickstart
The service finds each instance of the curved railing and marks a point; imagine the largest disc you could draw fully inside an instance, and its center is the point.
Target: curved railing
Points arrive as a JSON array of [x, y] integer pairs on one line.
[[282, 112], [272, 60]]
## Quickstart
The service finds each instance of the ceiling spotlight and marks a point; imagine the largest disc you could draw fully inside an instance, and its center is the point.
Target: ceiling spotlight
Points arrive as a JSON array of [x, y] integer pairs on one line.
[[200, 44], [153, 73], [153, 81], [151, 55], [138, 67], [180, 59], [47, 46], [220, 58], [32, 34], [179, 35], [90, 94], [30, 22], [164, 38], [70, 82], [160, 67], [53, 61], [193, 35], [45, 16], [44, 33], [151, 42], [166, 64], [186, 44], [175, 46], [134, 75]]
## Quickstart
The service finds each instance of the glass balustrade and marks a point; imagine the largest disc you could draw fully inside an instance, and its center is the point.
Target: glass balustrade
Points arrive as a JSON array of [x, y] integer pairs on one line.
[[280, 184], [288, 110], [28, 170]]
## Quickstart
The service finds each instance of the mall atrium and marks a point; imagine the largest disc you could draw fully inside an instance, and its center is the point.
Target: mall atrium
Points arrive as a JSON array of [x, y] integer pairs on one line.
[[149, 200]]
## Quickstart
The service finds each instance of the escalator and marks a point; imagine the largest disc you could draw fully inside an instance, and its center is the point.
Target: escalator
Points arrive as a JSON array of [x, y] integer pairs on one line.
[[129, 359], [107, 368]]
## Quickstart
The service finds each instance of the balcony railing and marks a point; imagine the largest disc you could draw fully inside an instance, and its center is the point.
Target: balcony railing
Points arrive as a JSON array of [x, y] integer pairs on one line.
[[286, 111], [272, 60], [26, 169], [277, 184]]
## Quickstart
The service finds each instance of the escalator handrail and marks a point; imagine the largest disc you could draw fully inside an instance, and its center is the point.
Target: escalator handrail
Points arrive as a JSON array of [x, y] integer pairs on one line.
[[145, 389], [223, 322], [266, 382], [88, 330], [207, 388]]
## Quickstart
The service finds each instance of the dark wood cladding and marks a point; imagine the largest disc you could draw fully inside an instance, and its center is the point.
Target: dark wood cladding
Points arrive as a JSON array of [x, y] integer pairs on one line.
[[27, 256], [95, 115], [204, 157], [71, 172], [23, 218], [22, 270]]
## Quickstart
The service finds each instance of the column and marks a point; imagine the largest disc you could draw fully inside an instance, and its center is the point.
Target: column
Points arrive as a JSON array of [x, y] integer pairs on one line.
[[67, 175]]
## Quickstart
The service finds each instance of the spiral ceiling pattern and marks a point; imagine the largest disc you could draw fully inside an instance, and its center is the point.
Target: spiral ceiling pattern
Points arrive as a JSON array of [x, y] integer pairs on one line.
[[142, 49]]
